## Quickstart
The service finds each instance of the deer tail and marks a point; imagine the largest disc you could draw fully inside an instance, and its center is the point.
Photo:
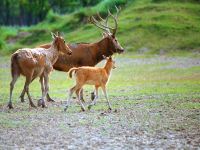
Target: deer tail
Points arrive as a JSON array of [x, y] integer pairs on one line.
[[72, 70], [15, 69]]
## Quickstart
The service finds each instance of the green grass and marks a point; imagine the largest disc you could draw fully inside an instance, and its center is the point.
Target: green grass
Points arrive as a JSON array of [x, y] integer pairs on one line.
[[129, 82], [168, 26]]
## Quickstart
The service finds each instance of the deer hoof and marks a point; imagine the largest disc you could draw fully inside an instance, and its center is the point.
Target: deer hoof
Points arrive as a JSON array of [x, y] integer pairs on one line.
[[40, 102], [65, 109], [33, 105], [50, 100], [109, 109], [10, 106], [92, 96], [83, 109], [44, 106], [22, 100], [89, 107]]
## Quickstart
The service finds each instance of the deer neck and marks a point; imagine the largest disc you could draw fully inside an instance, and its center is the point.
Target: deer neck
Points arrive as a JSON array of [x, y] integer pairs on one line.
[[53, 53], [108, 67], [99, 49]]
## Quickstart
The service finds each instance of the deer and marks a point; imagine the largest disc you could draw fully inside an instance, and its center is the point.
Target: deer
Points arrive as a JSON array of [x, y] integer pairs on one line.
[[93, 76], [90, 54], [36, 62]]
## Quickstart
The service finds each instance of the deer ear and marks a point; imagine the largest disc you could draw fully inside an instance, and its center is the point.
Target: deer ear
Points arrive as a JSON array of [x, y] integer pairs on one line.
[[58, 33], [53, 35], [104, 34]]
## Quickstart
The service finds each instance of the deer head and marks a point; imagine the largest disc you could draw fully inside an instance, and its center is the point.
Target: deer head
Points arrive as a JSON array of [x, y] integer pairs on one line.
[[59, 43], [110, 61], [109, 32]]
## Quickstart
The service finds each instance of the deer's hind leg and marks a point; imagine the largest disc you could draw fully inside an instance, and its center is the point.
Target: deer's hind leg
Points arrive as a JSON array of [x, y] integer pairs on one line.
[[71, 91], [49, 99], [42, 88], [29, 75], [79, 98], [95, 98], [23, 93], [12, 84], [76, 88], [45, 88]]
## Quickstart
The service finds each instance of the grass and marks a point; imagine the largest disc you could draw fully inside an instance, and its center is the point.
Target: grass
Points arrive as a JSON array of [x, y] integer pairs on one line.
[[130, 81], [158, 27]]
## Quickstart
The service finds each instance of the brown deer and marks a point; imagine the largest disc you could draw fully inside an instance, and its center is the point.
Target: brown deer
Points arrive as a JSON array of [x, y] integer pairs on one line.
[[89, 54], [92, 76], [37, 62]]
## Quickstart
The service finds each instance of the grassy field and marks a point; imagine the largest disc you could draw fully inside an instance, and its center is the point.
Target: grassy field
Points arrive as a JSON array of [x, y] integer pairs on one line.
[[155, 99], [145, 26]]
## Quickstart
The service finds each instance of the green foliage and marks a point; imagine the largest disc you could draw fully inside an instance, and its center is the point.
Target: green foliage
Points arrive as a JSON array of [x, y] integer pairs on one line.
[[23, 12], [144, 27], [183, 1]]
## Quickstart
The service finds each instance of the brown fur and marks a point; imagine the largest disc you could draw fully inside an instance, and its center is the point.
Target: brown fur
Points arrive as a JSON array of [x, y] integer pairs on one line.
[[33, 63], [92, 76], [86, 54], [71, 71]]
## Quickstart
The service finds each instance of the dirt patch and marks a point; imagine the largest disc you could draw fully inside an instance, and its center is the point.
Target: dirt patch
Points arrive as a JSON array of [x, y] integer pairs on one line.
[[133, 127]]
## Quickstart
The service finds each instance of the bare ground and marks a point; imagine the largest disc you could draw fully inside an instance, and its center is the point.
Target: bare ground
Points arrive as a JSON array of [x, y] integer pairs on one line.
[[131, 127]]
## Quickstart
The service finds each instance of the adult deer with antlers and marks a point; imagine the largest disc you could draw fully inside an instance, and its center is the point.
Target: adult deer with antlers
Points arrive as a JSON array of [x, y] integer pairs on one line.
[[89, 54], [37, 62]]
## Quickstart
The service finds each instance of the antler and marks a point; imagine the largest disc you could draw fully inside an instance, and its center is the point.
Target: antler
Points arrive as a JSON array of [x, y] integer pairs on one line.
[[104, 25], [115, 19]]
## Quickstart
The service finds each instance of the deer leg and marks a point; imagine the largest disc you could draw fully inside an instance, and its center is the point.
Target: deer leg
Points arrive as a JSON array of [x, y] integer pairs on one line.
[[81, 92], [79, 98], [71, 91], [26, 87], [12, 83], [22, 95], [46, 89], [42, 88], [92, 95], [49, 99], [105, 94], [95, 98]]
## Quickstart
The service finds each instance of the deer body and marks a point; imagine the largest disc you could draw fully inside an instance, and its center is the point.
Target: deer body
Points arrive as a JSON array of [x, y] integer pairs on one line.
[[92, 76], [39, 59], [33, 63], [85, 54]]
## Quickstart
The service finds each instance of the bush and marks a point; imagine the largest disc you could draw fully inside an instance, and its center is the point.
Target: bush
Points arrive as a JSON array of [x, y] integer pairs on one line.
[[197, 1]]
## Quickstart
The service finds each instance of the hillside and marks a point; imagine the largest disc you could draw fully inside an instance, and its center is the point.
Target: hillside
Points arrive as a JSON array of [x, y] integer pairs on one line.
[[145, 26]]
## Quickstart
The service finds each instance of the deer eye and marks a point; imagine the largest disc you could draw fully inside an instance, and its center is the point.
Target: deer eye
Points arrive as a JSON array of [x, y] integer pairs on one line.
[[64, 41]]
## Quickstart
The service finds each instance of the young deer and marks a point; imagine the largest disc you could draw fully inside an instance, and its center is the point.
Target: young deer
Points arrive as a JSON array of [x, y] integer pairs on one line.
[[93, 76], [37, 62]]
